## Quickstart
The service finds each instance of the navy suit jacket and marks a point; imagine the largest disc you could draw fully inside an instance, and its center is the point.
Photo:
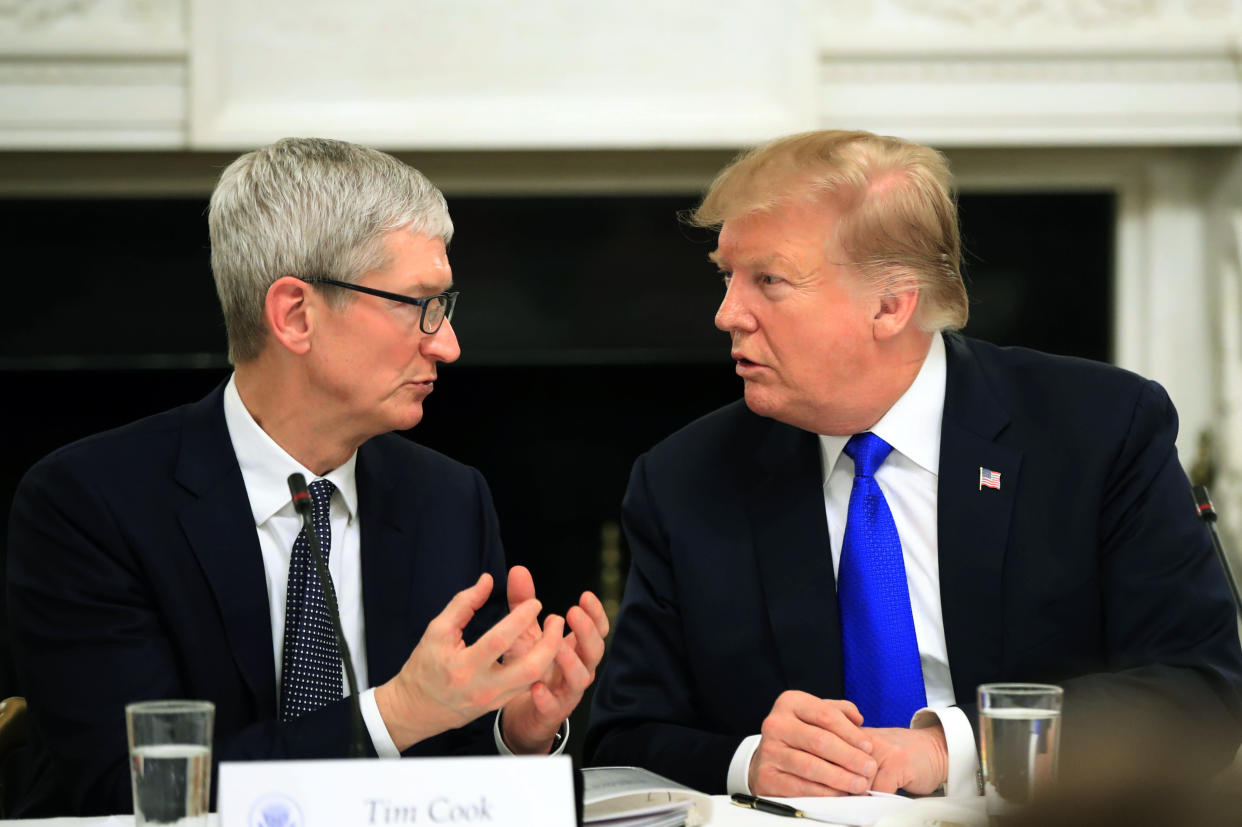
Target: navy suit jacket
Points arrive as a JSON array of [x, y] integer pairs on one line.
[[1087, 568], [134, 572]]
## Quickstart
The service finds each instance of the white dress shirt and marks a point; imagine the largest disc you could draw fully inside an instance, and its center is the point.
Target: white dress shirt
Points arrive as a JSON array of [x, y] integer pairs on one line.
[[265, 468], [908, 478]]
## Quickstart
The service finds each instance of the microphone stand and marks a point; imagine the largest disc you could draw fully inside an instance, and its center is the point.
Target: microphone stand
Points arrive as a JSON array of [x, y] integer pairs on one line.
[[1208, 514], [302, 504]]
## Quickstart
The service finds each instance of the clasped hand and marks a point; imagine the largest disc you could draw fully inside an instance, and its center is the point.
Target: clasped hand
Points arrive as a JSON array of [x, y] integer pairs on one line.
[[811, 746], [535, 672]]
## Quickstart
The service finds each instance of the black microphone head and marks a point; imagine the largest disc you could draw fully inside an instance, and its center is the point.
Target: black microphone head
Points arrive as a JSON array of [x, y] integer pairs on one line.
[[1203, 503], [301, 497]]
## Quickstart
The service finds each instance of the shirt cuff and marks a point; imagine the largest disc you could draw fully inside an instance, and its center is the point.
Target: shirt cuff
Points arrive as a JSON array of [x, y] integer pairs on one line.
[[558, 746], [959, 737], [738, 780], [380, 739]]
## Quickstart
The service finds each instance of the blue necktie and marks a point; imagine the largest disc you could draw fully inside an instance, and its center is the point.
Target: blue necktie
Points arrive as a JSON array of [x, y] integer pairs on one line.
[[883, 675], [310, 672]]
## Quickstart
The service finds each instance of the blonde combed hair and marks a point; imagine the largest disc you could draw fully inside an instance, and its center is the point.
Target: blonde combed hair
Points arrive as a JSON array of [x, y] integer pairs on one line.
[[898, 222]]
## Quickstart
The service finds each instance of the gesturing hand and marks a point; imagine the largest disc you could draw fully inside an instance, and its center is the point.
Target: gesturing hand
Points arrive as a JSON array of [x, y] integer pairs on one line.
[[811, 746], [531, 719], [445, 684]]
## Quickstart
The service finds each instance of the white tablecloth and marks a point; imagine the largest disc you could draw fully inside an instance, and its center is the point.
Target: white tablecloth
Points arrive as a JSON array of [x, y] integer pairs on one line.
[[724, 813]]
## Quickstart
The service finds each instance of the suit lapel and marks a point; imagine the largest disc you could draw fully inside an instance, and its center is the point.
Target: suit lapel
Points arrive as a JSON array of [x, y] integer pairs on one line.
[[973, 520], [388, 528], [795, 560], [219, 526]]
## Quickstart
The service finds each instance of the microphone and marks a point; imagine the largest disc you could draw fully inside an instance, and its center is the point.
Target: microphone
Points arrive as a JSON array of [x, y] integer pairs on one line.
[[1203, 503], [302, 504]]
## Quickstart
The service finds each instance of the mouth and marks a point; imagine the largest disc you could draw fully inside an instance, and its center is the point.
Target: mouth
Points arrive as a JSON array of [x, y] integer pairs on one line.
[[424, 386], [743, 362], [747, 368]]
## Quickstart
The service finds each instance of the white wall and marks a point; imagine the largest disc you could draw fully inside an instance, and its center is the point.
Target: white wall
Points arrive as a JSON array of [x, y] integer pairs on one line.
[[1141, 96]]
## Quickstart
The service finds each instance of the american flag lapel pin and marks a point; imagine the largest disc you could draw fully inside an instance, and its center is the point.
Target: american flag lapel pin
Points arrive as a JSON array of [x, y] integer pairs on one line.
[[988, 478]]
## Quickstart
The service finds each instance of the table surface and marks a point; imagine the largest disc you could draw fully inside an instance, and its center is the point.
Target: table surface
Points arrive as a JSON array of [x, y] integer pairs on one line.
[[724, 814]]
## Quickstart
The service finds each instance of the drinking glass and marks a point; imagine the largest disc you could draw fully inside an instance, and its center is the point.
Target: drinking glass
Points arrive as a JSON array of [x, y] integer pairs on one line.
[[170, 761], [1020, 731]]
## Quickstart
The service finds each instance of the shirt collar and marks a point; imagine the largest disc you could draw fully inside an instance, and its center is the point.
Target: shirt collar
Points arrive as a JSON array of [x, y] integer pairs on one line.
[[912, 425], [266, 467]]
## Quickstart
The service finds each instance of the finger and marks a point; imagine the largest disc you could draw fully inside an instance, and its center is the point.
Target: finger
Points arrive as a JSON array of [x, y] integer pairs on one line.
[[501, 637], [455, 616], [816, 770], [849, 710], [521, 586], [525, 670], [595, 610], [829, 747], [888, 780], [576, 677], [838, 717], [774, 782], [588, 641], [546, 704]]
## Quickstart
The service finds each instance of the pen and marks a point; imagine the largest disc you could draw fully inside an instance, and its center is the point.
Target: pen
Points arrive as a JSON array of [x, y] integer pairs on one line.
[[776, 808]]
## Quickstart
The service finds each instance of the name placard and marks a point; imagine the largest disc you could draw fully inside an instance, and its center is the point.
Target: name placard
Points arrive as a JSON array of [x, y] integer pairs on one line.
[[509, 791]]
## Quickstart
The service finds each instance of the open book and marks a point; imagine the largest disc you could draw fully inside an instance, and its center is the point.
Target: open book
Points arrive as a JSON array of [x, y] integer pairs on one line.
[[632, 797]]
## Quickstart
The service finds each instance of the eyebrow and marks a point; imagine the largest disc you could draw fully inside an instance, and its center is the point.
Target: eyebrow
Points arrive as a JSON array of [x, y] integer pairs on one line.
[[421, 288], [761, 263]]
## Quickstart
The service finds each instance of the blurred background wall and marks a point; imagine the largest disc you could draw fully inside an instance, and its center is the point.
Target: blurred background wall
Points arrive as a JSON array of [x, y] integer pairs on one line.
[[1096, 145]]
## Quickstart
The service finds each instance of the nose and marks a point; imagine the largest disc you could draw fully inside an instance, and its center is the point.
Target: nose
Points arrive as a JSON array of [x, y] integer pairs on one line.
[[442, 345], [733, 315]]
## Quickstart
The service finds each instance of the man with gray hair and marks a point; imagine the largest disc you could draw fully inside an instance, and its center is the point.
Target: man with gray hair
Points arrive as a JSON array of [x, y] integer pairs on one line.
[[164, 559], [823, 573]]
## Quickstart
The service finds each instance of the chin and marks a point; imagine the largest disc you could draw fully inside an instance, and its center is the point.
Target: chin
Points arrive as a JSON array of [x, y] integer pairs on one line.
[[782, 409], [408, 418], [761, 403]]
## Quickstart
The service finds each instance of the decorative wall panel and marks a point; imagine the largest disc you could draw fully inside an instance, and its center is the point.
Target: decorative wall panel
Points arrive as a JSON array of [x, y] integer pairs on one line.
[[81, 74], [491, 74]]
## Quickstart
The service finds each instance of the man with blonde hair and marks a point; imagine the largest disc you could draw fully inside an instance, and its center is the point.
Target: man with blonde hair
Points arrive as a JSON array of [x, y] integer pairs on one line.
[[165, 559], [823, 573]]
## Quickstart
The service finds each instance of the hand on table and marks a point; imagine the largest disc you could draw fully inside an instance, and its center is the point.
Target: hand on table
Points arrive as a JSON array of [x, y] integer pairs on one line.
[[812, 746], [914, 760], [531, 719], [445, 684]]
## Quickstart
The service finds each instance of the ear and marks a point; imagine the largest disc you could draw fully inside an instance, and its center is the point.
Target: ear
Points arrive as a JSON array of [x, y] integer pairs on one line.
[[895, 311], [287, 315]]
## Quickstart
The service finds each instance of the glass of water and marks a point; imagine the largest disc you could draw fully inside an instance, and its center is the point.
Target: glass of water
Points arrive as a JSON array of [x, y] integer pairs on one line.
[[170, 761], [1020, 731]]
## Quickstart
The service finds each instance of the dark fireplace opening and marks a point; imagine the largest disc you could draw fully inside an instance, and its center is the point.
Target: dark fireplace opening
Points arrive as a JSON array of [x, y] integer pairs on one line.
[[585, 323]]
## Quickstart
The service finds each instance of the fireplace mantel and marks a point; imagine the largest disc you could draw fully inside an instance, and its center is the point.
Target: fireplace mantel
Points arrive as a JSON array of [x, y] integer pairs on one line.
[[643, 74], [1142, 97]]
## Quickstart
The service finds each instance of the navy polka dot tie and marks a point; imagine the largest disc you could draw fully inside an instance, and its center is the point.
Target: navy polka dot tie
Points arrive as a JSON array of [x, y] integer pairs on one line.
[[880, 653], [310, 672]]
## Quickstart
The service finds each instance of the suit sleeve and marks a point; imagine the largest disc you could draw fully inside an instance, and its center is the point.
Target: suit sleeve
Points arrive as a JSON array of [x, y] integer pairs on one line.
[[644, 712], [1170, 629], [88, 639]]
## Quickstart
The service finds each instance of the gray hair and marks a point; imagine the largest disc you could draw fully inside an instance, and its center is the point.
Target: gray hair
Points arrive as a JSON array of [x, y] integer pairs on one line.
[[309, 207]]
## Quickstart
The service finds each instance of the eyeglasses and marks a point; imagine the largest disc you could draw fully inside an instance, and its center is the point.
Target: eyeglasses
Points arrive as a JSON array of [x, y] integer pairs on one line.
[[435, 309]]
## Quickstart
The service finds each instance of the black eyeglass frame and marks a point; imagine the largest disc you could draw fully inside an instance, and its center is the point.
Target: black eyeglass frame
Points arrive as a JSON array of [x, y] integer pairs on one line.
[[450, 300]]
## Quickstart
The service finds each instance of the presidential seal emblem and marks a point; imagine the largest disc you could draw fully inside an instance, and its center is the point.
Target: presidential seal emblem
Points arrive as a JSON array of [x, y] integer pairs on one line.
[[275, 810]]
